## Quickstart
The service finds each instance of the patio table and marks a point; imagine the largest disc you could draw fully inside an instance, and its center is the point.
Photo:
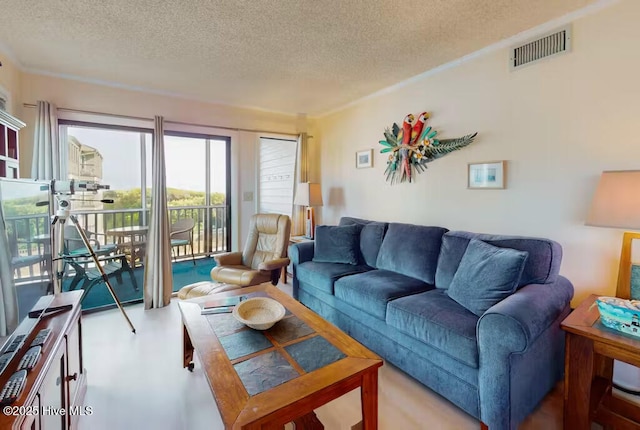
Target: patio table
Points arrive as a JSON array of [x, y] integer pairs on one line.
[[136, 235]]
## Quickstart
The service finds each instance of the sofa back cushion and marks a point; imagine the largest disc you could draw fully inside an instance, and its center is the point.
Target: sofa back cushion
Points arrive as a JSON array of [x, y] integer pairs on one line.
[[411, 250], [542, 265], [371, 237]]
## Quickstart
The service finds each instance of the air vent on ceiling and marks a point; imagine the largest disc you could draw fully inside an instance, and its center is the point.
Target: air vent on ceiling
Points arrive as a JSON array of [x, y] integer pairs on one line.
[[558, 42]]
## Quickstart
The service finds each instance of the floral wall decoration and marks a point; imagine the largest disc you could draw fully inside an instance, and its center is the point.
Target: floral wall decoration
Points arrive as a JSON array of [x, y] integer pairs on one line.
[[414, 145]]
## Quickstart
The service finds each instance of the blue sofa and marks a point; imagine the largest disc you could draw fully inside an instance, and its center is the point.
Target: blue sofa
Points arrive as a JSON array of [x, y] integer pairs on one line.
[[496, 366]]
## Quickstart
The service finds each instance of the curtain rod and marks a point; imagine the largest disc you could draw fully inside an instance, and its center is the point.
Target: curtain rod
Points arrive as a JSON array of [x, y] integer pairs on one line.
[[140, 118]]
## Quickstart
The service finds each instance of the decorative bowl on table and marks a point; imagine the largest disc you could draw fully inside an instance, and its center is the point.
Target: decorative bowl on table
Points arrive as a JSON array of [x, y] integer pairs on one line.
[[620, 314], [259, 313]]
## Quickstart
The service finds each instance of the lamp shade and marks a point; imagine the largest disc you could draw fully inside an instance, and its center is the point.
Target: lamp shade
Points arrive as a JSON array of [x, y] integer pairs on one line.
[[308, 194], [616, 202]]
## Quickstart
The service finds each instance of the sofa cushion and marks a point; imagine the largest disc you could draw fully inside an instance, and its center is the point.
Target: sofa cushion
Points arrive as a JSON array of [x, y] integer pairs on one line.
[[371, 237], [337, 244], [486, 275], [411, 250], [323, 275], [542, 266], [438, 321], [371, 291]]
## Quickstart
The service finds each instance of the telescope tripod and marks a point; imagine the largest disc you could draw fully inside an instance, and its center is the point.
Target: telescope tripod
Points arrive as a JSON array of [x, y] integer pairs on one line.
[[61, 216]]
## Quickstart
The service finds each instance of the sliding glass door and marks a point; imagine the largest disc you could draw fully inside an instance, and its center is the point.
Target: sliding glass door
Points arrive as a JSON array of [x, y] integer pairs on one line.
[[198, 184], [197, 175]]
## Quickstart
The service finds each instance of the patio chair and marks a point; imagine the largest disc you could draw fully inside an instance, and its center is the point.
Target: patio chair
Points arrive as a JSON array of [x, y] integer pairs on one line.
[[182, 235], [74, 246], [19, 261], [86, 277]]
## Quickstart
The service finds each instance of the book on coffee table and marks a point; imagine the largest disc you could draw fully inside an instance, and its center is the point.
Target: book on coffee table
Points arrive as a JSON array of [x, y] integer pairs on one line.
[[226, 304]]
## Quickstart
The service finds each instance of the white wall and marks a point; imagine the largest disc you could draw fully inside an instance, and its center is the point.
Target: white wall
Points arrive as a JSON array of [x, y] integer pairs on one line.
[[559, 123], [10, 83], [99, 98]]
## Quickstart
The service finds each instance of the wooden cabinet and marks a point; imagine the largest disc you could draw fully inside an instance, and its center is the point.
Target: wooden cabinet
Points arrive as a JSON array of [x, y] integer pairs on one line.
[[57, 384], [9, 145]]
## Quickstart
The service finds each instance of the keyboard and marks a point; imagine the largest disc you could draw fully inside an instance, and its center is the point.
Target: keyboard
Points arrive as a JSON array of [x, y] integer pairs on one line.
[[41, 337], [13, 388], [15, 344], [4, 359], [30, 358]]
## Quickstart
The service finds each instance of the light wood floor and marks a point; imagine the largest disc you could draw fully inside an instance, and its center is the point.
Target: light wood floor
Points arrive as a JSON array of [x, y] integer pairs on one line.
[[137, 381]]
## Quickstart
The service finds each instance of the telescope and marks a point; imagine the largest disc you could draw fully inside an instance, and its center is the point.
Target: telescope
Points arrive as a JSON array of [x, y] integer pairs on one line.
[[72, 186], [62, 190]]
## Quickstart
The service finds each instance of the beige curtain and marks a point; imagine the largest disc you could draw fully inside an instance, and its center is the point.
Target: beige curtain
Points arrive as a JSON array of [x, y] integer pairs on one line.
[[50, 154], [298, 221], [158, 278], [8, 300]]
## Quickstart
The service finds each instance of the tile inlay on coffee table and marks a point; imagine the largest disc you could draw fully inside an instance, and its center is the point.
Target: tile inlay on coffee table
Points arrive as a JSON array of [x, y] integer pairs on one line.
[[244, 342], [264, 372]]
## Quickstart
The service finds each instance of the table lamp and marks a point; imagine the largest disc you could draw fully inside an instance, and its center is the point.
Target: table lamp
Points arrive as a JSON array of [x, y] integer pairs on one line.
[[616, 204], [308, 194]]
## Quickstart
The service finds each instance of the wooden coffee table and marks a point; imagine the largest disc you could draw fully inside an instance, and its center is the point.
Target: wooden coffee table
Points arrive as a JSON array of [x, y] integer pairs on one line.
[[263, 380], [590, 350]]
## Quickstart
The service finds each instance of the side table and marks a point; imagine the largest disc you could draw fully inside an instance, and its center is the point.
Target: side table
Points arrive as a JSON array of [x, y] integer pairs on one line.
[[589, 352], [292, 240]]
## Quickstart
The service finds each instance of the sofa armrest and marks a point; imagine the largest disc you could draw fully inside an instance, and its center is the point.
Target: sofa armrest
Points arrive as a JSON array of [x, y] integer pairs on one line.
[[228, 259], [521, 350], [278, 263], [301, 252], [517, 321]]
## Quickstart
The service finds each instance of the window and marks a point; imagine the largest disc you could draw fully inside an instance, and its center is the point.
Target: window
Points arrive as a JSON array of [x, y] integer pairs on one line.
[[114, 157], [277, 175]]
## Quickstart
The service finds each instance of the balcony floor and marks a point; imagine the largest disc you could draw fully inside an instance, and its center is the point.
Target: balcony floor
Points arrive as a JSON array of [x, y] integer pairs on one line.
[[184, 273]]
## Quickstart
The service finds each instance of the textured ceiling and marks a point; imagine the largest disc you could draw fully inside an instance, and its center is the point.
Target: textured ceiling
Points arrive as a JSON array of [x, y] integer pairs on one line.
[[294, 56]]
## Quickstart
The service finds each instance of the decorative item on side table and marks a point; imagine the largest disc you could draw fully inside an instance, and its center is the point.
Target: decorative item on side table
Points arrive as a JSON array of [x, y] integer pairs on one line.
[[413, 145], [620, 314], [616, 204], [489, 175], [308, 194], [364, 158]]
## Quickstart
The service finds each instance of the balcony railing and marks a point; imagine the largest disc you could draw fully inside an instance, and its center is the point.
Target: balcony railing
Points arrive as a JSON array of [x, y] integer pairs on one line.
[[30, 234]]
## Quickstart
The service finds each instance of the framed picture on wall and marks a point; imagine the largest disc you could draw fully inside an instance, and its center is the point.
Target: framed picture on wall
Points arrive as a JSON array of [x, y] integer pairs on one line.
[[364, 158], [488, 175]]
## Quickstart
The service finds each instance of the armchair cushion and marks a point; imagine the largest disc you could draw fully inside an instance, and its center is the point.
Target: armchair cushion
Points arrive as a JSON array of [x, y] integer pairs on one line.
[[278, 263], [486, 275], [337, 244], [239, 275], [228, 259]]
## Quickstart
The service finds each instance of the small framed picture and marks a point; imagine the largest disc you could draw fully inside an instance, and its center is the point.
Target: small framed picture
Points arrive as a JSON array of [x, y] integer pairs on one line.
[[487, 175], [364, 158]]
